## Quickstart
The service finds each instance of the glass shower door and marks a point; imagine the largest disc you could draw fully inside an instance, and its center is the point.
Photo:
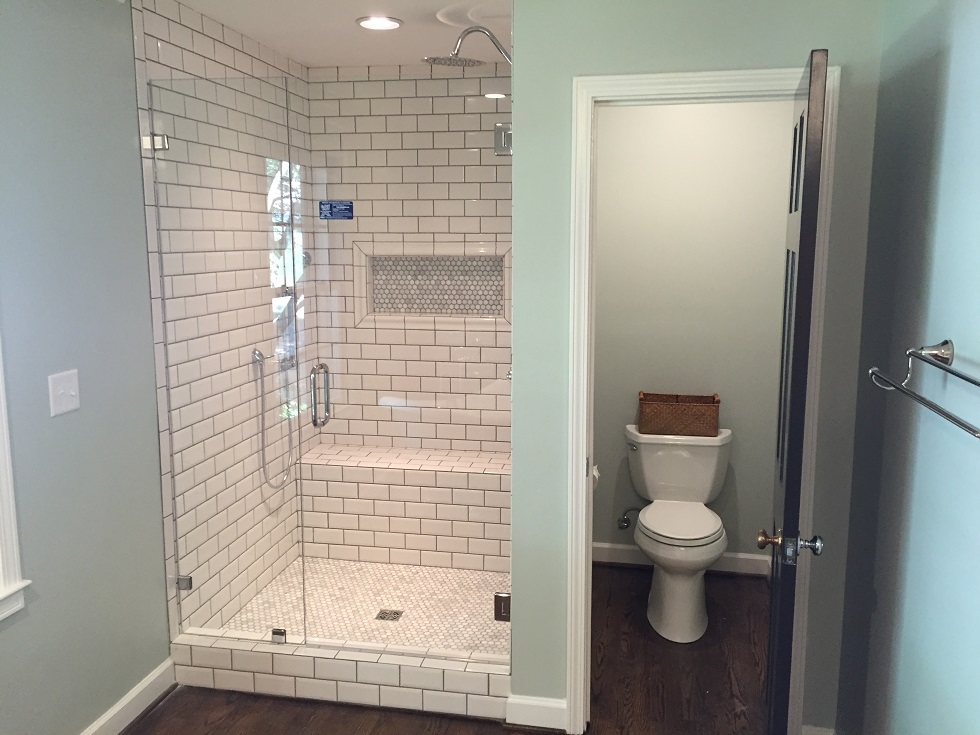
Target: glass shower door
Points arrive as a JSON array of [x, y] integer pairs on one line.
[[227, 193]]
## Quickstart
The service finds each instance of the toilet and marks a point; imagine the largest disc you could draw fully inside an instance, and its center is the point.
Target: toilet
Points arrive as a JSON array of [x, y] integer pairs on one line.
[[677, 531]]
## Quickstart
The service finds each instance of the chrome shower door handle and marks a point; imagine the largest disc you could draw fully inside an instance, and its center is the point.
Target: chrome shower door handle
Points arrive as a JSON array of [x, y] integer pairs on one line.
[[325, 371], [326, 392]]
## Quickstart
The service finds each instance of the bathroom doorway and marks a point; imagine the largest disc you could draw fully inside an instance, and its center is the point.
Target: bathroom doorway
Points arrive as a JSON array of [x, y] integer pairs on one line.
[[680, 261]]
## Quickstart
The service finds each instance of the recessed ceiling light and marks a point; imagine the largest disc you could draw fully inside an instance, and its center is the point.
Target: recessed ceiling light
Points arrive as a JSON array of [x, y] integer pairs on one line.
[[494, 96], [379, 23]]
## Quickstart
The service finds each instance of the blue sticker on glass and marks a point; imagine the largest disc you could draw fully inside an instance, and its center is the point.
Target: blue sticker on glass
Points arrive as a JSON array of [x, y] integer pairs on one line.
[[336, 210]]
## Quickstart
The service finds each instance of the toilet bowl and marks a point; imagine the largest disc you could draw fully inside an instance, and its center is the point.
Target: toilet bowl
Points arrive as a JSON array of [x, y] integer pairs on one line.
[[682, 540], [677, 531]]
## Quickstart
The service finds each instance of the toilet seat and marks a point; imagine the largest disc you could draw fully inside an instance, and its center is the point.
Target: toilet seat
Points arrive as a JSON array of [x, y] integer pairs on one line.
[[680, 523]]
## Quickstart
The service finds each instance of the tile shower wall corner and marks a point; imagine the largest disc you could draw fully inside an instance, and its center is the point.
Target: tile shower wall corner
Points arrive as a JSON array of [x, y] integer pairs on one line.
[[221, 99]]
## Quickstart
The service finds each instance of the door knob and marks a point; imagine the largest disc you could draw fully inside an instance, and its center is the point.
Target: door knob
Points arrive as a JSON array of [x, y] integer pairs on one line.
[[789, 548], [764, 539], [815, 545]]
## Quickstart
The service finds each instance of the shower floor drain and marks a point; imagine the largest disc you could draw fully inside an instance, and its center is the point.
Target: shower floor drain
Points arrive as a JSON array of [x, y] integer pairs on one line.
[[391, 615]]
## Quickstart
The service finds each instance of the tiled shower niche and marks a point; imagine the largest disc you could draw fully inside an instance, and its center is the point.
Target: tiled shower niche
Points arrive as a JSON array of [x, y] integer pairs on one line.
[[436, 284], [404, 279]]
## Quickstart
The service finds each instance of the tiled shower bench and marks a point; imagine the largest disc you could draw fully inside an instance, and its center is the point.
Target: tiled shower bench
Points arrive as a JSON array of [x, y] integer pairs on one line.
[[407, 506]]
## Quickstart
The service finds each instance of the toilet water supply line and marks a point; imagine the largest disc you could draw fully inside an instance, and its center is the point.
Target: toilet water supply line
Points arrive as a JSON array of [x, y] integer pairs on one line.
[[623, 521], [259, 360]]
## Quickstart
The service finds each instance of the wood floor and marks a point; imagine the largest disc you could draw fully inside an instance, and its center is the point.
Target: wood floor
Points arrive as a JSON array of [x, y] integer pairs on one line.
[[641, 684]]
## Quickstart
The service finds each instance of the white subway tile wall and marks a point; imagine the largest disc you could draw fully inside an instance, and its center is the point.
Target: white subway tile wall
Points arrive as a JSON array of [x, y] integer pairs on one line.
[[451, 681], [411, 147], [439, 508], [222, 100]]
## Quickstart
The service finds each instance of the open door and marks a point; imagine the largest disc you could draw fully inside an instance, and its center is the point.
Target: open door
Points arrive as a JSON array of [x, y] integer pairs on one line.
[[801, 240]]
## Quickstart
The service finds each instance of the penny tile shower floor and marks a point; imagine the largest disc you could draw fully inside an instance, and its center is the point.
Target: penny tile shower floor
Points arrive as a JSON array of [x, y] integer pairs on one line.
[[443, 608]]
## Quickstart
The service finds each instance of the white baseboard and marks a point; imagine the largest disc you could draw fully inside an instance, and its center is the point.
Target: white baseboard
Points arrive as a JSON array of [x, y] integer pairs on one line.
[[134, 702], [537, 712], [731, 562], [811, 730]]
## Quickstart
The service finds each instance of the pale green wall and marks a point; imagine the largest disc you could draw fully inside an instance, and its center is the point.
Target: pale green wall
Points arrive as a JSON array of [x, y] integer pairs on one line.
[[688, 260], [74, 293], [913, 588], [553, 42]]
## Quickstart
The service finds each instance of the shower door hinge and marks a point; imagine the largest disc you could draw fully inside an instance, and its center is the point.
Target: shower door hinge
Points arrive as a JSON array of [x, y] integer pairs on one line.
[[503, 139], [501, 606], [156, 142], [185, 583], [278, 635]]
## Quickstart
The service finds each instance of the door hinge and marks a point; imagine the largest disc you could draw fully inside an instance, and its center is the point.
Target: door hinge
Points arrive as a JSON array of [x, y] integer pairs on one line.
[[156, 142], [278, 635], [185, 583], [503, 139], [501, 606]]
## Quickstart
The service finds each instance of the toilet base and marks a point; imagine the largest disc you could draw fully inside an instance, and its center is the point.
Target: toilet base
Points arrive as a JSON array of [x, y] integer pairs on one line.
[[676, 607]]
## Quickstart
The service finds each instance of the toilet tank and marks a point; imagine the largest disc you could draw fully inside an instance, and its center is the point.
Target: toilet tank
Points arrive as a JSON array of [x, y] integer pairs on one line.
[[671, 467]]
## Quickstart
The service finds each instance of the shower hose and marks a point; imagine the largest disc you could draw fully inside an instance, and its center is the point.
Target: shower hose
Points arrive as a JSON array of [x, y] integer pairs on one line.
[[259, 359]]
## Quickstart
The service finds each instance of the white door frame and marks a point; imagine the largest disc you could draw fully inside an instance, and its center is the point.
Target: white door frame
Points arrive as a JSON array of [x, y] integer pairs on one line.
[[679, 88]]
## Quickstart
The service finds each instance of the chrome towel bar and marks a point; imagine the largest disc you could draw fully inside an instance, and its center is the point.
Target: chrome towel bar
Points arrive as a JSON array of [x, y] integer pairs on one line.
[[938, 356]]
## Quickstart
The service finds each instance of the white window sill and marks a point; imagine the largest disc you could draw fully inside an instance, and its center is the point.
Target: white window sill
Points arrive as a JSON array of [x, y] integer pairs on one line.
[[12, 598]]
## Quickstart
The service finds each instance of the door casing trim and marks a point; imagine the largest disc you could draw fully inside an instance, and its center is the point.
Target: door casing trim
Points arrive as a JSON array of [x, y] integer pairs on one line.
[[674, 88]]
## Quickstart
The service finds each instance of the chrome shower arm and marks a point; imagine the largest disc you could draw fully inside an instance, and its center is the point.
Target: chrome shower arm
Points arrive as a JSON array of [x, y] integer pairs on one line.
[[489, 34]]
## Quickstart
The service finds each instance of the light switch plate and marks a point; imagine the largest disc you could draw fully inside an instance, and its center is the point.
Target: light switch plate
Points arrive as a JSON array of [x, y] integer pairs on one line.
[[63, 392]]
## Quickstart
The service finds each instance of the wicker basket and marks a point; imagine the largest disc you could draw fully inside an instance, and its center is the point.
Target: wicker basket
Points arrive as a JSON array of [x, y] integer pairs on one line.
[[666, 413]]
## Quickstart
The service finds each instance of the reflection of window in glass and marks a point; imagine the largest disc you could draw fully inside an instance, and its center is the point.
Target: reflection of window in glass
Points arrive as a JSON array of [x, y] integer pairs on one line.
[[11, 584], [283, 200], [283, 203]]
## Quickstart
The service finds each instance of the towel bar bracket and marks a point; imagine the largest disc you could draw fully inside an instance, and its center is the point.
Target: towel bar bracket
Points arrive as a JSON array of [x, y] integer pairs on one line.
[[939, 356]]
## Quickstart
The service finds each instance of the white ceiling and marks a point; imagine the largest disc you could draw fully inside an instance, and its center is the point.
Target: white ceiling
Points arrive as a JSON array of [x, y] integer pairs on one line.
[[324, 33]]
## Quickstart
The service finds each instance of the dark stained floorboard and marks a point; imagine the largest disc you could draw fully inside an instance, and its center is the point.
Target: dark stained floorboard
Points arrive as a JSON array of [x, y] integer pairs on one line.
[[641, 683]]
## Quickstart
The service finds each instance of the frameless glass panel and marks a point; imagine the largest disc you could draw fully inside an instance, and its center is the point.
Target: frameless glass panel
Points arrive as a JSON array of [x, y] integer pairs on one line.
[[227, 196]]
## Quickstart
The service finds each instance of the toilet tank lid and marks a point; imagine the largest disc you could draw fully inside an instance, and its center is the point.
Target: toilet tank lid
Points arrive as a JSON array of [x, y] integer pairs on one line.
[[680, 520], [724, 436]]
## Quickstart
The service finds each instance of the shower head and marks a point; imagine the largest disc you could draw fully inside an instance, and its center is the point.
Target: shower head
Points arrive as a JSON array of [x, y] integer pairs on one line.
[[454, 59]]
